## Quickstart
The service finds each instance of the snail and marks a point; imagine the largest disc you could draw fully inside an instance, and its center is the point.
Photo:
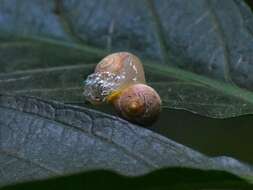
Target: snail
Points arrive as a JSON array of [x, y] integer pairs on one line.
[[119, 80]]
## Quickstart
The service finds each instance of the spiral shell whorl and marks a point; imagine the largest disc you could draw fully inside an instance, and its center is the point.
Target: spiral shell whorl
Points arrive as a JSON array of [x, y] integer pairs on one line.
[[119, 80], [123, 63], [139, 103]]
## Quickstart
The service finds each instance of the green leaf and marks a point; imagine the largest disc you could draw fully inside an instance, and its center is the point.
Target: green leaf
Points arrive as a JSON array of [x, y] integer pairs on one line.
[[170, 178], [42, 139], [197, 55], [194, 56]]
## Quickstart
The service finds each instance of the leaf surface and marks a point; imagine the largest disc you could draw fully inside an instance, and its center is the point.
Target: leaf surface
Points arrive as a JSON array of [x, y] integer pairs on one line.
[[197, 55], [41, 139]]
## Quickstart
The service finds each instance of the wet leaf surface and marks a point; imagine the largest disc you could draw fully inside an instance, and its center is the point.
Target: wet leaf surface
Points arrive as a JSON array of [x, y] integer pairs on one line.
[[41, 139], [205, 46], [197, 55]]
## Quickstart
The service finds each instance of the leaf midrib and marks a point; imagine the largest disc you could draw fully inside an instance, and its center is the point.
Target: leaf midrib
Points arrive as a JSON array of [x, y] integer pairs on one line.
[[189, 76], [177, 73]]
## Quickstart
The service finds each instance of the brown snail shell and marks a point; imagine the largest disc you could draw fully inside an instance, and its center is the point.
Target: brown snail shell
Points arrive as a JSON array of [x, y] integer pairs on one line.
[[119, 79], [138, 103], [123, 63]]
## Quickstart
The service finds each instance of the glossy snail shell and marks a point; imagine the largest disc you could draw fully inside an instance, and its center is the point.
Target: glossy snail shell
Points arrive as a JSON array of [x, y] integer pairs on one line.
[[119, 79], [138, 103], [124, 64]]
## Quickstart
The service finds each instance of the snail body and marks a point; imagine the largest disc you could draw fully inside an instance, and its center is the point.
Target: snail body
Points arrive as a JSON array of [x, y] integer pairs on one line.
[[119, 80]]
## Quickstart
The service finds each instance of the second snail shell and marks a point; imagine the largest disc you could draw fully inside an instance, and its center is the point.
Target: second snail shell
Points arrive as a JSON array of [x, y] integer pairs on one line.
[[138, 103], [119, 80]]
